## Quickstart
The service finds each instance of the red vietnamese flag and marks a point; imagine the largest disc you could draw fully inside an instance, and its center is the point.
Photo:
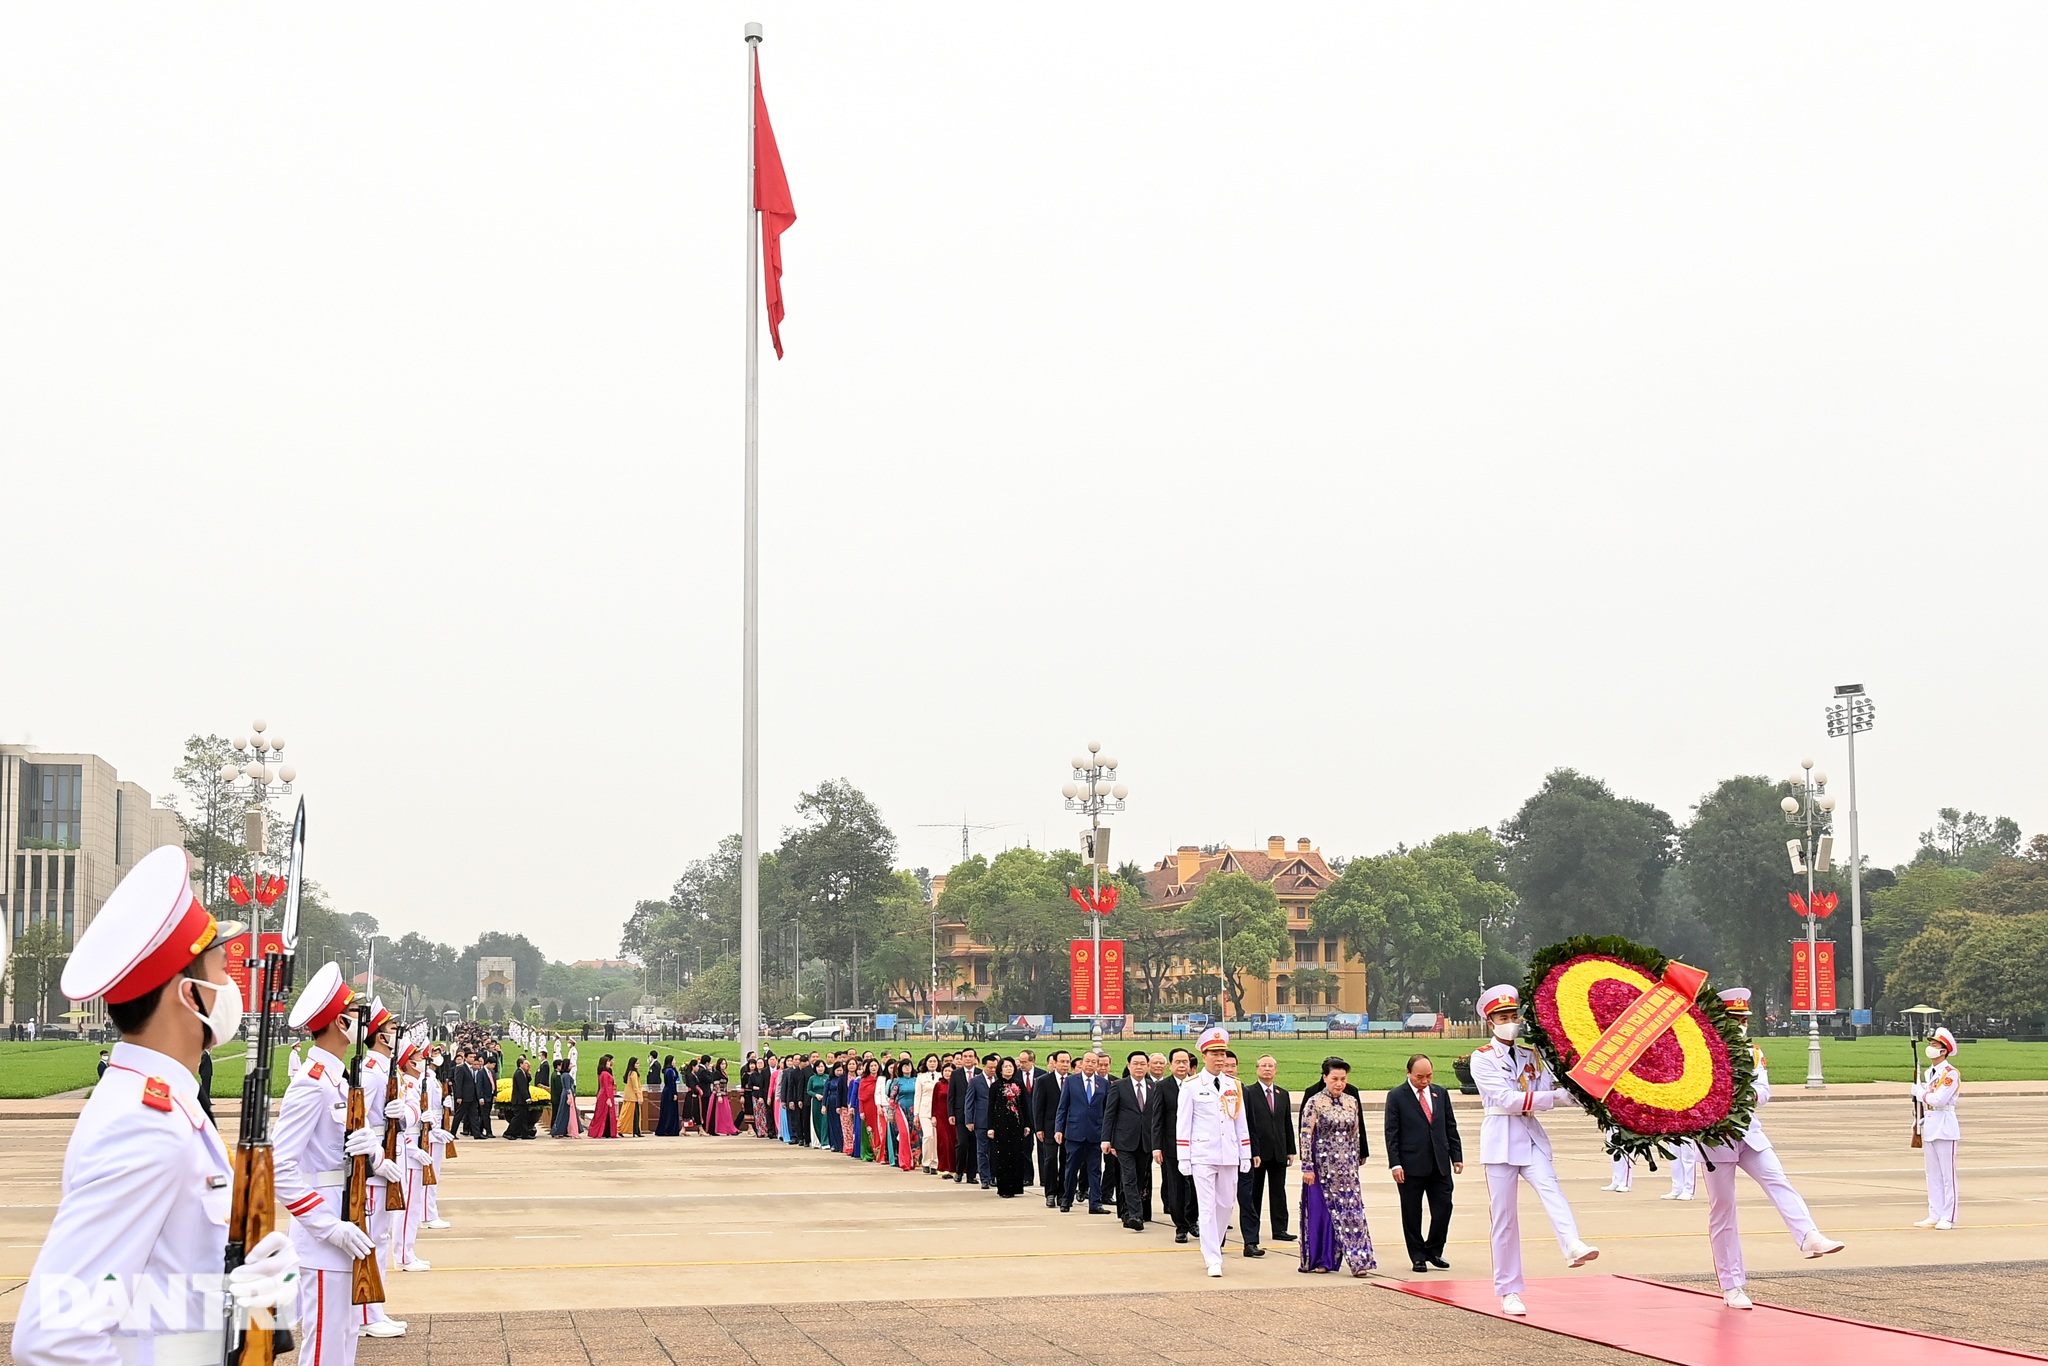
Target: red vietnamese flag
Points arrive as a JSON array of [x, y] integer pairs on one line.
[[778, 210]]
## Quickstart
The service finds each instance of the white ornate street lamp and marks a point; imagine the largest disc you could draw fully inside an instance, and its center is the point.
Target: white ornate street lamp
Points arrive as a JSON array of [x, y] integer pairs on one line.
[[1094, 790], [1810, 806]]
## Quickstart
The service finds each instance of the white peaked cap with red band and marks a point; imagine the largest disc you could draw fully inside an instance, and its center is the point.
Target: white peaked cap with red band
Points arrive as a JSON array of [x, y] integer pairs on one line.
[[323, 1000], [412, 1042], [1215, 1036], [1736, 999], [1502, 997], [1945, 1039], [148, 932], [379, 1016]]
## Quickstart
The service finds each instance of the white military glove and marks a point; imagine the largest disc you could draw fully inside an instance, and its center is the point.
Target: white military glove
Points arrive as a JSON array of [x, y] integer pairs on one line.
[[1186, 1168], [394, 1109], [440, 1136], [417, 1156], [363, 1143], [387, 1169], [268, 1274], [350, 1241], [1543, 1100], [1243, 1167]]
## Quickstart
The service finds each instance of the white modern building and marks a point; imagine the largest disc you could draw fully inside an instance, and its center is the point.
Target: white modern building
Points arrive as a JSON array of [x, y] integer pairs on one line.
[[69, 829]]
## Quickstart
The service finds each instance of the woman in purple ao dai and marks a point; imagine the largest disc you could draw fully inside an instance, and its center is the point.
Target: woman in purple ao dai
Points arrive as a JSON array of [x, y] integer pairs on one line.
[[1333, 1228]]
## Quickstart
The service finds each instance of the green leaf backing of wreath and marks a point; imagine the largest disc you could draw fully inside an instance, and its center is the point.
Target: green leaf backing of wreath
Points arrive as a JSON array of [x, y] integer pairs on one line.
[[1622, 1141]]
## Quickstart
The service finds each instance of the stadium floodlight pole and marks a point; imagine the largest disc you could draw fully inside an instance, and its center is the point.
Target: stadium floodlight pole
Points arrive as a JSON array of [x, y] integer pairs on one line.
[[1094, 790], [750, 650], [1853, 712], [1810, 806]]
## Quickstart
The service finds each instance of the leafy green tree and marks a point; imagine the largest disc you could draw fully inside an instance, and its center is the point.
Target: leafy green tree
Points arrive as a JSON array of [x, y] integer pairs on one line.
[[1738, 874], [527, 960], [1901, 912], [35, 965], [1312, 986], [1964, 839], [1998, 970], [1583, 861], [1415, 917], [1017, 904], [835, 866], [211, 811], [1155, 943], [1253, 928], [2011, 886], [714, 991], [1920, 967]]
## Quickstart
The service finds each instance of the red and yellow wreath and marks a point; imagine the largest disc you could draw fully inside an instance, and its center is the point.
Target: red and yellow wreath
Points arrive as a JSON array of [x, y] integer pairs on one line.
[[1691, 1082]]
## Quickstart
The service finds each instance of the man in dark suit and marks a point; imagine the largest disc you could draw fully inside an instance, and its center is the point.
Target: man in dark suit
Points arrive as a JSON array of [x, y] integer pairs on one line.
[[1045, 1108], [964, 1069], [1077, 1128], [1127, 1133], [462, 1086], [486, 1098], [1028, 1073], [1424, 1150], [1176, 1192], [980, 1085], [1269, 1115]]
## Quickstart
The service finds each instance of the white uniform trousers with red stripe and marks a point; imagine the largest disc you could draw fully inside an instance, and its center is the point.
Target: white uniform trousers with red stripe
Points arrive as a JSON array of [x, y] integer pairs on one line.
[[381, 1225], [1944, 1200], [1503, 1194], [406, 1231], [327, 1321], [1722, 1233]]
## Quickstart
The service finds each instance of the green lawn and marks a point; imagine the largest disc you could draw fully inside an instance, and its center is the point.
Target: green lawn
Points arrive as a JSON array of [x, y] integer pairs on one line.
[[42, 1069]]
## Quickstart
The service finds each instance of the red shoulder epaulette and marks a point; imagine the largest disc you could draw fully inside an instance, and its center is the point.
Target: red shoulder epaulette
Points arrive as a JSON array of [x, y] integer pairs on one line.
[[156, 1094], [315, 1070]]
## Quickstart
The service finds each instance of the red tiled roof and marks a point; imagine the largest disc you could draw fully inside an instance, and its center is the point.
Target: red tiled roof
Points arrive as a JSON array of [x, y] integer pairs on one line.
[[1292, 875]]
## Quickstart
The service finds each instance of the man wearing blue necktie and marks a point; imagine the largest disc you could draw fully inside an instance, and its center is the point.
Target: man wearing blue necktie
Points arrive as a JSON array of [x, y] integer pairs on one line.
[[1077, 1128]]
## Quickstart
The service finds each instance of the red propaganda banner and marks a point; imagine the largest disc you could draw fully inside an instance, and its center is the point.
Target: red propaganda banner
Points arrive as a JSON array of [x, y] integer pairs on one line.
[[1802, 977], [1081, 973], [1112, 976], [1081, 987], [248, 979]]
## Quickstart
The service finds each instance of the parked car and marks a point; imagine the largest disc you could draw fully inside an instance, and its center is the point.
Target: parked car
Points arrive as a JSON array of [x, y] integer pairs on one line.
[[817, 1031], [1014, 1032]]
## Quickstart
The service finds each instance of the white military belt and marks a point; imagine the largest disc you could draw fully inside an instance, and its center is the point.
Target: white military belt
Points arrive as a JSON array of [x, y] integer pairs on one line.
[[1499, 1110], [337, 1177], [173, 1349]]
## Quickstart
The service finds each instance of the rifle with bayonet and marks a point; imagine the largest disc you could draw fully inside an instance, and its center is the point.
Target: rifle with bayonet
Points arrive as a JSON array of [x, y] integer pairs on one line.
[[255, 1339], [366, 1283]]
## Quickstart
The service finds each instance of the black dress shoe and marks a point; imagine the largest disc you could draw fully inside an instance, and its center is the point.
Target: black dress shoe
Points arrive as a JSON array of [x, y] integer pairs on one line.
[[1440, 1264], [1418, 1266], [1283, 1237], [1254, 1250], [1135, 1225], [1180, 1235], [1050, 1202], [1066, 1207]]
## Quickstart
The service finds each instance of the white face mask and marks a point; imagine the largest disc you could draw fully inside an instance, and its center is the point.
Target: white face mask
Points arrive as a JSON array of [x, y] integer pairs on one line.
[[225, 1016], [1508, 1032], [1935, 1050]]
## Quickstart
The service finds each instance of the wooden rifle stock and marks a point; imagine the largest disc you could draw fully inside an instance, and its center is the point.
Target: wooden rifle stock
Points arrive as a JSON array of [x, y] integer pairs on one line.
[[394, 1192], [253, 1217], [366, 1283], [427, 1177], [252, 1208], [448, 1123]]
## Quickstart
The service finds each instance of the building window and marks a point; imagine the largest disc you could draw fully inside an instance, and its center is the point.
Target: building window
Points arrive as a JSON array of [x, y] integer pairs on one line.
[[1329, 950], [1304, 950], [981, 974], [1280, 990], [51, 798], [117, 825]]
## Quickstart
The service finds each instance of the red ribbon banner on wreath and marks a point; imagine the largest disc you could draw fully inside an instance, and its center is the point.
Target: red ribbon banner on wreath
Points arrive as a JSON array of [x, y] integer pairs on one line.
[[1648, 1018], [1101, 901]]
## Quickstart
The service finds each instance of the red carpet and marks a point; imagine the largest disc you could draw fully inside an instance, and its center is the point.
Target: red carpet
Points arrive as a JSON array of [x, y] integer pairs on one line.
[[1693, 1327]]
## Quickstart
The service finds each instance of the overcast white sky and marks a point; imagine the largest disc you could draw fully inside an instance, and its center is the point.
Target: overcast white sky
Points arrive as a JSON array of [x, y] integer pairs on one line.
[[1347, 414]]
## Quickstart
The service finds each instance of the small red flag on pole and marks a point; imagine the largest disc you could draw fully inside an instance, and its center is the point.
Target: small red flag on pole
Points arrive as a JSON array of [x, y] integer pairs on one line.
[[771, 198]]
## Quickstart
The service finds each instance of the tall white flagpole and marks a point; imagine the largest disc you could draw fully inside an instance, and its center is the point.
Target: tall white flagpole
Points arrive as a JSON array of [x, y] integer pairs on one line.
[[750, 668]]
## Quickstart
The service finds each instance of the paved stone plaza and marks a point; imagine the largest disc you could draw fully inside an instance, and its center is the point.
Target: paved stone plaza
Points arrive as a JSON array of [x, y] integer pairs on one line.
[[735, 1249]]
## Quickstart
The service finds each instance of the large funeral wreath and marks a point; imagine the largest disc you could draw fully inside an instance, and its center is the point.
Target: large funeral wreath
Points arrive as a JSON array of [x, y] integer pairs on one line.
[[1693, 1083]]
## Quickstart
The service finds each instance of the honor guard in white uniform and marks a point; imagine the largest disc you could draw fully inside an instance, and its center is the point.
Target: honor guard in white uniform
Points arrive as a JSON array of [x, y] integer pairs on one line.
[[310, 1149], [1517, 1085], [1754, 1155], [412, 1155], [1685, 1170], [437, 1139], [1213, 1144], [381, 1105], [131, 1271], [1939, 1129]]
